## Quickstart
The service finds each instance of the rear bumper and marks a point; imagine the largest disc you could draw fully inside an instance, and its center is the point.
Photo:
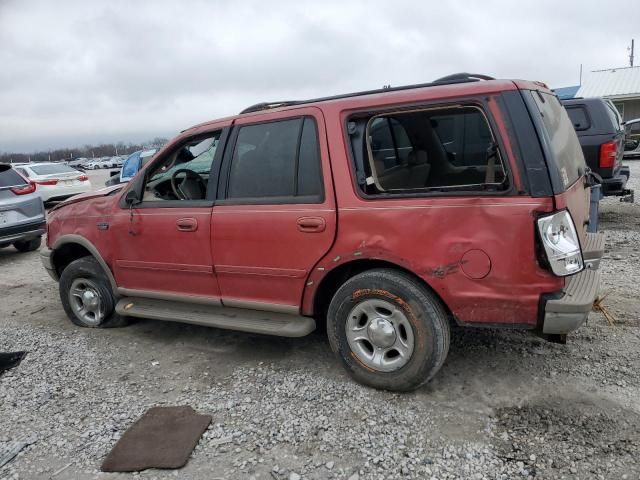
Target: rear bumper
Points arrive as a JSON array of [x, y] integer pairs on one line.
[[566, 310], [616, 185], [47, 263], [565, 314], [26, 231]]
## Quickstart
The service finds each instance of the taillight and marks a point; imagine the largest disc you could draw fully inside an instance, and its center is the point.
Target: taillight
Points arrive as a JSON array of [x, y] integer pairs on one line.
[[608, 153], [53, 181], [561, 244], [24, 189], [83, 178]]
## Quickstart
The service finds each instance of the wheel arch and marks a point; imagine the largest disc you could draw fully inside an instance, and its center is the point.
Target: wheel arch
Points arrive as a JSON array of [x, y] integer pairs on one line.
[[316, 303], [68, 248]]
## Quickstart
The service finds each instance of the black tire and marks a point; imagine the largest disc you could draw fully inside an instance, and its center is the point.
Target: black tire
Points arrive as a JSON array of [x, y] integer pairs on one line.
[[421, 308], [28, 245], [88, 268]]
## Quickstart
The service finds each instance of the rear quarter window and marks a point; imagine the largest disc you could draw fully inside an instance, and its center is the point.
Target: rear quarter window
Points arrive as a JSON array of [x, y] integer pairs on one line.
[[561, 138], [9, 177], [579, 117]]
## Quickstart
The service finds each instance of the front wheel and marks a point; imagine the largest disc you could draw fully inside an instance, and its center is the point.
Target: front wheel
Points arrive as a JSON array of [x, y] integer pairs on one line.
[[388, 330], [86, 295]]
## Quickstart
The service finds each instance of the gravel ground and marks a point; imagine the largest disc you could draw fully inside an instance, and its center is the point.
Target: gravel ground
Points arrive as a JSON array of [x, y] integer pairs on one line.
[[505, 405]]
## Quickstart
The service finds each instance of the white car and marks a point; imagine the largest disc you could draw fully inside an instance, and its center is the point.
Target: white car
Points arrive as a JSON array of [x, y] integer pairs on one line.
[[55, 181]]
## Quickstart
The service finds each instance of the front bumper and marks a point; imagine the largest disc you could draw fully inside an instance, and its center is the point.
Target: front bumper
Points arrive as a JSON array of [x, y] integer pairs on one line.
[[47, 263], [567, 310]]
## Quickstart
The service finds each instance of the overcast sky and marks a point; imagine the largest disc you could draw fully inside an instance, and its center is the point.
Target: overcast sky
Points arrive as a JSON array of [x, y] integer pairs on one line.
[[100, 71]]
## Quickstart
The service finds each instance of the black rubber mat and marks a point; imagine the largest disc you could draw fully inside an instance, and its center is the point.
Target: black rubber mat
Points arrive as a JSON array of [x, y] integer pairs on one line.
[[163, 437], [10, 360]]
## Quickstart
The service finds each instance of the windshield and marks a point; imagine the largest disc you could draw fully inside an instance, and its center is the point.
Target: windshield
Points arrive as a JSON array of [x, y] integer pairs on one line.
[[51, 169]]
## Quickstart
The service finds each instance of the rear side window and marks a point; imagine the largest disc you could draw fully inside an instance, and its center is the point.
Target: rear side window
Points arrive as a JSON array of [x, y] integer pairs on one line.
[[9, 177], [277, 160], [431, 150], [563, 141], [579, 118]]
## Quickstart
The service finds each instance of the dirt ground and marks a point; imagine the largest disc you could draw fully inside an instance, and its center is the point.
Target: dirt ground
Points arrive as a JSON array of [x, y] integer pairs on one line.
[[505, 405]]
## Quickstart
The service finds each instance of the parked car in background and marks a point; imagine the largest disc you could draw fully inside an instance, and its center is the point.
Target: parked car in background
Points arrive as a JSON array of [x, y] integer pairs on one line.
[[22, 214], [130, 166], [386, 214], [55, 181], [632, 143], [602, 137]]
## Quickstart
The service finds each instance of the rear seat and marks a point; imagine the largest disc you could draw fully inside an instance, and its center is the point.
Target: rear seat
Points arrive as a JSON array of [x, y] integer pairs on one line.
[[412, 174]]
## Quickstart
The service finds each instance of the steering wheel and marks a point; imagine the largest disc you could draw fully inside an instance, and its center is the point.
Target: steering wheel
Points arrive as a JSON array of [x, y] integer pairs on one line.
[[193, 187]]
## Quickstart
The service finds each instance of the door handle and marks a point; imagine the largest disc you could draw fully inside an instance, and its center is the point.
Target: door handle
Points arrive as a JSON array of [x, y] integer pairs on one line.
[[187, 224], [311, 224]]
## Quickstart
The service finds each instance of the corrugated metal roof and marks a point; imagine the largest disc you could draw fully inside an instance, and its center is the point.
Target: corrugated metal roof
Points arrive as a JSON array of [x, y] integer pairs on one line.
[[613, 83]]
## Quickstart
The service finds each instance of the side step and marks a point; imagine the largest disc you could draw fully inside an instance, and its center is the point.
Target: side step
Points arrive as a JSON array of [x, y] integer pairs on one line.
[[244, 320], [593, 250]]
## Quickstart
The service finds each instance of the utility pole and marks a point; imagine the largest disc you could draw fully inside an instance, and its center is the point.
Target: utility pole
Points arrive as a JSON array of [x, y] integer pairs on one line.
[[631, 53]]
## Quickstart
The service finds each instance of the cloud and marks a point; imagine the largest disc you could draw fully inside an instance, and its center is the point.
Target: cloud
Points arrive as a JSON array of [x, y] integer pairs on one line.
[[75, 72]]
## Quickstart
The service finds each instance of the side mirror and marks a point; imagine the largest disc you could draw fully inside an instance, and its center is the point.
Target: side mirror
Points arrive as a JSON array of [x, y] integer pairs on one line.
[[131, 198]]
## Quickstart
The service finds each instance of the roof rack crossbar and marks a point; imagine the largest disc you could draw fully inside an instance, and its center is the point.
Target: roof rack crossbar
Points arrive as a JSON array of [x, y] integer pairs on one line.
[[448, 80]]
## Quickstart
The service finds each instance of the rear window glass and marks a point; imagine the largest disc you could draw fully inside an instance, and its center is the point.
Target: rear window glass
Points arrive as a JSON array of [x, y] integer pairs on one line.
[[563, 141], [579, 117], [9, 177], [52, 169]]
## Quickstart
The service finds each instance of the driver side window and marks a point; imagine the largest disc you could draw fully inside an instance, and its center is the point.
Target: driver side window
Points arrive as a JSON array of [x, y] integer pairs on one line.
[[183, 174]]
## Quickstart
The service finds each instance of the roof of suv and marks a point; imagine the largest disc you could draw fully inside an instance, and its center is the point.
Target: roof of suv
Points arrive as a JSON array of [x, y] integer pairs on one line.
[[450, 86]]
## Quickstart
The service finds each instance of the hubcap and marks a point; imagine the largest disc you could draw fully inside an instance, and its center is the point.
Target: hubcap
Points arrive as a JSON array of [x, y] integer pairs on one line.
[[85, 301], [380, 335]]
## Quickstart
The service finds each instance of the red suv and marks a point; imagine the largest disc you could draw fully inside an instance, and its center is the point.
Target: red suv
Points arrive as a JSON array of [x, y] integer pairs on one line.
[[387, 214]]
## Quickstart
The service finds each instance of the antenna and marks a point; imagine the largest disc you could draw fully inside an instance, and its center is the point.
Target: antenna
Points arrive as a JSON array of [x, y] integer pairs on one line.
[[630, 49]]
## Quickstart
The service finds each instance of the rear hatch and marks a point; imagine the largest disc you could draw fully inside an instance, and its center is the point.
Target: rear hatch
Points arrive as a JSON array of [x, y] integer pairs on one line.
[[565, 160], [18, 203]]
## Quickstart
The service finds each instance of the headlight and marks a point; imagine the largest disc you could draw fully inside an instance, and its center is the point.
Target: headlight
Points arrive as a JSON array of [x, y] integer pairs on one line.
[[561, 244]]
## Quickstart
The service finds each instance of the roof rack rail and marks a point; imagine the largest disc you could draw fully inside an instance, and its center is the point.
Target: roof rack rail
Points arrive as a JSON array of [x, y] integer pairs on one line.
[[448, 80], [462, 77], [267, 105]]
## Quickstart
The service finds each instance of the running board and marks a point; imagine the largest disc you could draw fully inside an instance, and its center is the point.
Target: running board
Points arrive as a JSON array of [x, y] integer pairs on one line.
[[243, 320]]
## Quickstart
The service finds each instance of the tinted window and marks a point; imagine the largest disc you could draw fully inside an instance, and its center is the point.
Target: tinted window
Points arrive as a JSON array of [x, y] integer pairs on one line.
[[9, 177], [52, 169], [563, 141], [276, 159], [579, 118], [309, 174]]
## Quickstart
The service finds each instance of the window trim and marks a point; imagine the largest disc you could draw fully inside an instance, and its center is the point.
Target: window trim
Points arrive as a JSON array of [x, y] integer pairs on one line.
[[225, 170], [206, 202], [472, 102]]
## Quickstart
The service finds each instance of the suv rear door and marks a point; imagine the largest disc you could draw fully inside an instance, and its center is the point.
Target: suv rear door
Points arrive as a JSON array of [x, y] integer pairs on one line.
[[565, 160], [275, 216]]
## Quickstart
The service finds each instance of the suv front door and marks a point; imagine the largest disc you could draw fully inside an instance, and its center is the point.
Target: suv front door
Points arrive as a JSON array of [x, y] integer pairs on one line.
[[163, 243], [275, 216]]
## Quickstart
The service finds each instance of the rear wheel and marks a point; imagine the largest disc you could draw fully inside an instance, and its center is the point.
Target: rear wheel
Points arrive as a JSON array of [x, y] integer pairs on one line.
[[28, 245], [86, 295], [388, 330]]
